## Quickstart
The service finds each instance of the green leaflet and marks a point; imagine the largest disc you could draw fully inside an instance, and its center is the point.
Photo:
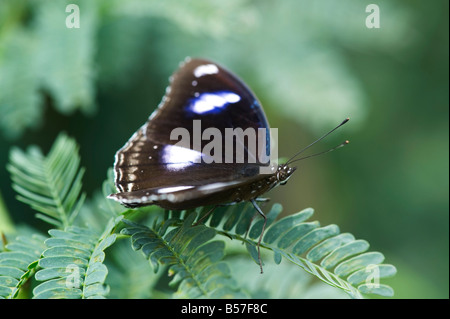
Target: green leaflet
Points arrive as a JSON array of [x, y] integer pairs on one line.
[[72, 265], [271, 217], [285, 225], [382, 290], [18, 263], [51, 184], [339, 254], [381, 271], [329, 245]]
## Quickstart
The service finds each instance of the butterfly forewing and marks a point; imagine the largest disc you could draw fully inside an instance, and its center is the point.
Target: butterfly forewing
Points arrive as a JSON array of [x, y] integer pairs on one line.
[[203, 90]]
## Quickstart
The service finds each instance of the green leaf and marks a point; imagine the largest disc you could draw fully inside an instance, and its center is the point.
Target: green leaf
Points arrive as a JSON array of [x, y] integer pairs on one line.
[[337, 259], [382, 290], [285, 224], [295, 233], [256, 229], [356, 263], [49, 184], [313, 237], [192, 256], [18, 263], [72, 265], [372, 273], [327, 246], [340, 253]]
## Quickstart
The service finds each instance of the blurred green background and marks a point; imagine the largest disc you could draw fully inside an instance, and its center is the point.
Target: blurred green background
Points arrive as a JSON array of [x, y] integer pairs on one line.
[[311, 63]]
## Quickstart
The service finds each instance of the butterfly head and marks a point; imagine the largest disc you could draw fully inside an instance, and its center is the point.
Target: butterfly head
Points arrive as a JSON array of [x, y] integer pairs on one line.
[[284, 172]]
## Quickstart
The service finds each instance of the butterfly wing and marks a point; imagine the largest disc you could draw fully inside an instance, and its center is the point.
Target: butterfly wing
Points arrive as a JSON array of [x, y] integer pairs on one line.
[[203, 90], [153, 165], [191, 196]]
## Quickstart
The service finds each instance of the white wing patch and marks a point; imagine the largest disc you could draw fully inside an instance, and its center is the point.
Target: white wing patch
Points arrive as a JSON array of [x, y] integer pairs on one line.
[[205, 69]]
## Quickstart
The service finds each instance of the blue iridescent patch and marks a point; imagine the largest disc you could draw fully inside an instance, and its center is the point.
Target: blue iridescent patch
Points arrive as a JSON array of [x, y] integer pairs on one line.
[[206, 103]]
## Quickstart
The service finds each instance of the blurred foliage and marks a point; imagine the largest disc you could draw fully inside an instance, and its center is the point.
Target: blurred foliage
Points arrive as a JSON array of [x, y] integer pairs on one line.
[[311, 63]]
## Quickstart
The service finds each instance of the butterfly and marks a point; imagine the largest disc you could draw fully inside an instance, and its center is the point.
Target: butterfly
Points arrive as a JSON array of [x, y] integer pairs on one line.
[[153, 169]]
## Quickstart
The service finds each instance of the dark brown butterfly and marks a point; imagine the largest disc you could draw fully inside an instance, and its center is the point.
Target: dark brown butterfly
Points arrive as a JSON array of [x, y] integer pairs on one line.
[[153, 169]]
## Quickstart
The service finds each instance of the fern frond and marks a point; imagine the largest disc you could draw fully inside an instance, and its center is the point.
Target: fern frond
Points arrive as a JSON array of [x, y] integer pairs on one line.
[[72, 265], [279, 281], [337, 259], [194, 258], [18, 263], [49, 184]]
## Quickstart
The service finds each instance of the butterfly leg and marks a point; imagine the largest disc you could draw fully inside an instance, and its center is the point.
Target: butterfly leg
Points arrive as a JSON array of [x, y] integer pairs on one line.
[[262, 231], [263, 200]]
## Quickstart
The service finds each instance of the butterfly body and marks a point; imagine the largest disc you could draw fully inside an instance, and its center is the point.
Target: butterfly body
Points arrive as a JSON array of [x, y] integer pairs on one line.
[[214, 193]]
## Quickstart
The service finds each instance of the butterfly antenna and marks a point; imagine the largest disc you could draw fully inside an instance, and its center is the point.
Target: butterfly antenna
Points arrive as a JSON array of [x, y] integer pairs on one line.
[[319, 139], [321, 153]]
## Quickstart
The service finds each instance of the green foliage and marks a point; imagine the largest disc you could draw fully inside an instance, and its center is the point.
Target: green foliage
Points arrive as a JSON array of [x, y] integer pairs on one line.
[[65, 72], [20, 101], [18, 263], [337, 259], [51, 184], [73, 88], [195, 260], [38, 53], [311, 63], [72, 265], [71, 262]]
